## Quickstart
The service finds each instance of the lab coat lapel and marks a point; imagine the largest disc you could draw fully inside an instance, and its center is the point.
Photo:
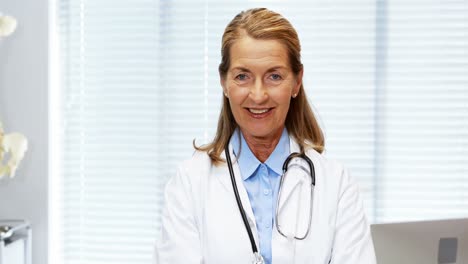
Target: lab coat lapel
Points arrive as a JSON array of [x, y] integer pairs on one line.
[[284, 249], [288, 189], [224, 177]]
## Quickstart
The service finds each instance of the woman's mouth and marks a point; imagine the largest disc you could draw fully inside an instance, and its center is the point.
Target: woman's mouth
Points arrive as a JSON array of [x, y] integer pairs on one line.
[[259, 112]]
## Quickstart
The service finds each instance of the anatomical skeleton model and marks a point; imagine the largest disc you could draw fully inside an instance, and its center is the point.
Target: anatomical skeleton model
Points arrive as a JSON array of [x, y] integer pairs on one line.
[[14, 145]]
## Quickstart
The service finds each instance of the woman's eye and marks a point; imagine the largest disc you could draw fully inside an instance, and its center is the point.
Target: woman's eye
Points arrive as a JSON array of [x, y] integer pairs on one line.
[[275, 77], [241, 77]]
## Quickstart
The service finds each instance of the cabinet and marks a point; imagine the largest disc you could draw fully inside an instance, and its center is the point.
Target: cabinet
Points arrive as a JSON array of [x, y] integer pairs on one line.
[[15, 242]]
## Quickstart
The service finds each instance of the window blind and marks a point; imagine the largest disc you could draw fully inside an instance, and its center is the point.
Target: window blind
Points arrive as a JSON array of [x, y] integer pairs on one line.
[[139, 82], [423, 143], [111, 146]]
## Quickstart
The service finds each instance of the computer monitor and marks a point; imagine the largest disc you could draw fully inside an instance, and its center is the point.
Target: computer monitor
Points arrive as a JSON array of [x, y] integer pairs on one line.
[[422, 242]]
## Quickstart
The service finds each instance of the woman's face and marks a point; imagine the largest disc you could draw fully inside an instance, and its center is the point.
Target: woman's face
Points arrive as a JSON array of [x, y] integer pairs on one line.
[[259, 84]]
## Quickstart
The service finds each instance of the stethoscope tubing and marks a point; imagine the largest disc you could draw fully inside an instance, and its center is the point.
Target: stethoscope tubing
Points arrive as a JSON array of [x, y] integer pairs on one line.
[[239, 202], [241, 208]]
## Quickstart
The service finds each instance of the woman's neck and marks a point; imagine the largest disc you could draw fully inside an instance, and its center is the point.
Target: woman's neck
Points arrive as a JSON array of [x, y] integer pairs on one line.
[[262, 147]]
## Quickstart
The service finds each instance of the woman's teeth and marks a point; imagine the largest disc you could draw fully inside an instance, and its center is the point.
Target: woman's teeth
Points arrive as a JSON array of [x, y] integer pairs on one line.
[[258, 111]]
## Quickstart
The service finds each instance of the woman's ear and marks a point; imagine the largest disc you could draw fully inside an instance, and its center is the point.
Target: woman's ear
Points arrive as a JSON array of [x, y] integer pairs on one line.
[[222, 81], [298, 83]]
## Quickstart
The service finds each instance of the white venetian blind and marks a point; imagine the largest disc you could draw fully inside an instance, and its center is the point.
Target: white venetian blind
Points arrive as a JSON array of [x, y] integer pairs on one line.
[[111, 146], [388, 80], [423, 143]]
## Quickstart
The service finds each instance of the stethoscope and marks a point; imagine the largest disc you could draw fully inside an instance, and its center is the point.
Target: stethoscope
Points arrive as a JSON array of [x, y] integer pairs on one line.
[[258, 259]]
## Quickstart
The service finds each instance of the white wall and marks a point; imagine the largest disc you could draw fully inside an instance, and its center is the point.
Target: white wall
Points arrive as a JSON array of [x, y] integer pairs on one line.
[[23, 108]]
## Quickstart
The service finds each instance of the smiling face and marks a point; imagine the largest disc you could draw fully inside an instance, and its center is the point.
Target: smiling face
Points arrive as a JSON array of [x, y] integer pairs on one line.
[[260, 84]]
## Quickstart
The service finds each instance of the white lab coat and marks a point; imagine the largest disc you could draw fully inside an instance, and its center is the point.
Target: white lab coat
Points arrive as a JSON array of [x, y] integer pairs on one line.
[[201, 222]]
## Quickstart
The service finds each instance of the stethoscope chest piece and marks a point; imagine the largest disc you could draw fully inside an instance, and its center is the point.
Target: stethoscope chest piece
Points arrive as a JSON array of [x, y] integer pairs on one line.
[[258, 259]]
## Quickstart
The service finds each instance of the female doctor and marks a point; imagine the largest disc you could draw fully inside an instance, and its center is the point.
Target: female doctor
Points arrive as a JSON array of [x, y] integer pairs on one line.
[[258, 204]]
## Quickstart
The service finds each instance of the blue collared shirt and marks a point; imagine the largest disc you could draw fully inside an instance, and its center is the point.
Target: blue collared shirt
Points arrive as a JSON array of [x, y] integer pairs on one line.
[[261, 180]]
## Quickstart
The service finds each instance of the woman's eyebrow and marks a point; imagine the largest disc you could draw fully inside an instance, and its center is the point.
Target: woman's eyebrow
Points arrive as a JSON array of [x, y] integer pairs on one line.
[[276, 68], [239, 68]]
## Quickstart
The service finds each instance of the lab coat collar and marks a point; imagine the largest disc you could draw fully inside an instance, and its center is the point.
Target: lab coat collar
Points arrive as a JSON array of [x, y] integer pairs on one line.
[[293, 146], [222, 173]]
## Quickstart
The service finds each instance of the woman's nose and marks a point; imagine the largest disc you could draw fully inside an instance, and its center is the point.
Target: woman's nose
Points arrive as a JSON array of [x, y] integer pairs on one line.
[[258, 92]]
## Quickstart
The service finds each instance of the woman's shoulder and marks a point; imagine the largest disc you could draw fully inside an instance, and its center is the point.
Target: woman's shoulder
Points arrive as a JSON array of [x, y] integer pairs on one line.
[[328, 169], [323, 160], [198, 158], [333, 179], [196, 166], [198, 161]]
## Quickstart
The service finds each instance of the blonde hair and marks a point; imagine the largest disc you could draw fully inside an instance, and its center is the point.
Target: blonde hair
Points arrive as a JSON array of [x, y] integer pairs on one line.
[[261, 23]]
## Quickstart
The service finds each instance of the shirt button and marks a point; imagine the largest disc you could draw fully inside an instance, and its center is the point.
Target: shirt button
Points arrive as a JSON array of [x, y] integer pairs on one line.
[[266, 192]]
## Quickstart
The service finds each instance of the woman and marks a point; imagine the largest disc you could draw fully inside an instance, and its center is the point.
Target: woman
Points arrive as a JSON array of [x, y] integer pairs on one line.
[[265, 116]]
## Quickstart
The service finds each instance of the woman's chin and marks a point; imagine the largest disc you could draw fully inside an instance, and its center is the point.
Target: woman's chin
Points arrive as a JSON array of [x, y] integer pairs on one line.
[[261, 132]]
